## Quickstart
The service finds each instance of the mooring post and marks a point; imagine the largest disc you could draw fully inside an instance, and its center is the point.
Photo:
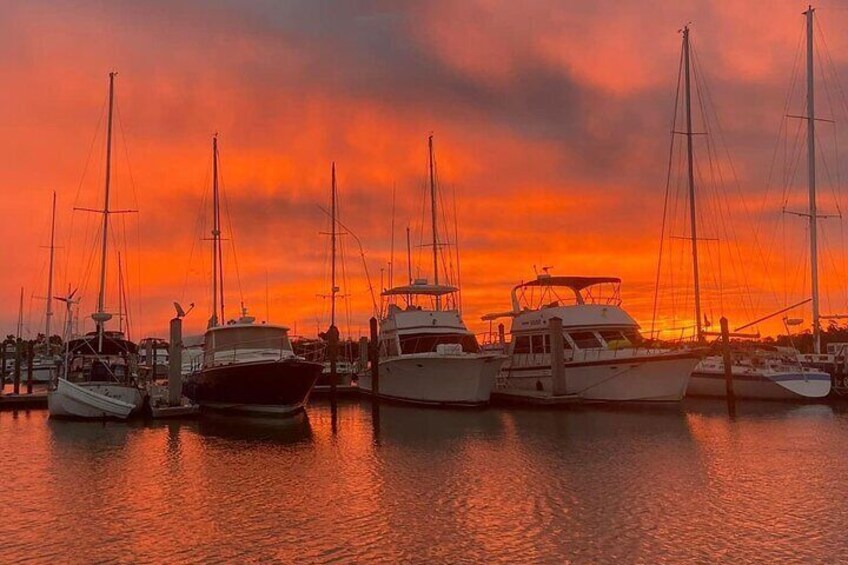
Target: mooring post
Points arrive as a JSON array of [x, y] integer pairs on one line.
[[333, 353], [17, 382], [30, 355], [557, 356], [363, 355], [728, 364], [175, 362], [3, 368], [151, 362], [374, 351]]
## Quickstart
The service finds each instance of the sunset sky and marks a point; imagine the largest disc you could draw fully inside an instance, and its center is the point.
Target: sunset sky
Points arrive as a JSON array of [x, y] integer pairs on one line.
[[551, 121]]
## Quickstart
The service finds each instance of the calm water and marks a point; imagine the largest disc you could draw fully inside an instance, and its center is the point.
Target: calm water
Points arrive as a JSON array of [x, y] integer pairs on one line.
[[416, 485]]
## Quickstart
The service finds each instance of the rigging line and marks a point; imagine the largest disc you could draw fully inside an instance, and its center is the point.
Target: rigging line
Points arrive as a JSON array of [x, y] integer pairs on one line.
[[456, 249], [364, 262], [199, 225], [223, 191], [793, 79], [711, 147], [665, 200], [94, 139]]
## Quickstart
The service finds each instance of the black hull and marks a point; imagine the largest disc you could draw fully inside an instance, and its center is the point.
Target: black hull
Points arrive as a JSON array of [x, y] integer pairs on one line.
[[264, 387]]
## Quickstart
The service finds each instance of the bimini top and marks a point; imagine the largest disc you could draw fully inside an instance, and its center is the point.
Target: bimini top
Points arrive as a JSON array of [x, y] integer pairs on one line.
[[574, 283], [420, 288]]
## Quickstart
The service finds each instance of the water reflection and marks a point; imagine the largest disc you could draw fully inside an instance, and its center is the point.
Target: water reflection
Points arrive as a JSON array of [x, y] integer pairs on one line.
[[407, 484]]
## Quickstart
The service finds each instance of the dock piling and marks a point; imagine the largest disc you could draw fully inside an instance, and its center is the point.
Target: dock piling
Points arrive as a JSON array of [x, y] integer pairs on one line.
[[557, 356], [333, 354], [728, 366], [30, 355], [175, 362], [374, 355], [17, 382], [3, 368]]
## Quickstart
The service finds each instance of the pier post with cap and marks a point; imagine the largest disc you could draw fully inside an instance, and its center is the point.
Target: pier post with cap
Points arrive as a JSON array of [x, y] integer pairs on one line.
[[557, 356], [3, 367], [333, 354], [374, 354], [175, 362], [17, 381], [30, 355], [728, 365]]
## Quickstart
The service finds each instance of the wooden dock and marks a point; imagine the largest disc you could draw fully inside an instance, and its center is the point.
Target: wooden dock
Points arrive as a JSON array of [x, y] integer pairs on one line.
[[36, 400]]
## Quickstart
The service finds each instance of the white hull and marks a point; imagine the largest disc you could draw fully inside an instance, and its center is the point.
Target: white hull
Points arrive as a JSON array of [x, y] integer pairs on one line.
[[762, 385], [654, 378], [95, 400], [432, 378]]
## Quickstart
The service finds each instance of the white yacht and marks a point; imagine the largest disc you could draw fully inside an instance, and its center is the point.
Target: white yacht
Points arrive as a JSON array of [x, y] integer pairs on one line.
[[428, 355], [605, 359]]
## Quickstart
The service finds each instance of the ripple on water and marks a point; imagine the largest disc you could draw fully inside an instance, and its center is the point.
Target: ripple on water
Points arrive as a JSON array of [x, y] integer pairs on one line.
[[589, 485]]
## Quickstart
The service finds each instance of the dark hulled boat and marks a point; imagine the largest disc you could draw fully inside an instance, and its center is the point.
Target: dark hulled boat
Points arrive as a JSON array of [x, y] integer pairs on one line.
[[252, 369], [246, 367]]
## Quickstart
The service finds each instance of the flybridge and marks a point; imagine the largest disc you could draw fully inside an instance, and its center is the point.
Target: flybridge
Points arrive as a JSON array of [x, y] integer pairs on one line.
[[585, 290]]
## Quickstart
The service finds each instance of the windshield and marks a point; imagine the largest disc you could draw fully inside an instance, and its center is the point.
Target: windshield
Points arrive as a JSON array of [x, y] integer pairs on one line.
[[427, 343]]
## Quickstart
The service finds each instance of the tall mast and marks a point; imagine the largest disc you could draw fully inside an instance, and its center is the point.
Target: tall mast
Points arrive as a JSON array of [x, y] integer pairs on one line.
[[120, 295], [811, 180], [20, 328], [217, 263], [100, 317], [692, 216], [48, 317], [408, 263], [433, 210], [333, 288]]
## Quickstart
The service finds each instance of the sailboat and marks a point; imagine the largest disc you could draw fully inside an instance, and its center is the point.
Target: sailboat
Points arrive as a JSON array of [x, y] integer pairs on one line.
[[246, 367], [427, 354], [341, 366], [758, 373], [46, 364], [98, 377]]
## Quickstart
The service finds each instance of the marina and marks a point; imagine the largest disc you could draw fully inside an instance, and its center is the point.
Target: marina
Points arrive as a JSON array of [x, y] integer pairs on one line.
[[254, 316]]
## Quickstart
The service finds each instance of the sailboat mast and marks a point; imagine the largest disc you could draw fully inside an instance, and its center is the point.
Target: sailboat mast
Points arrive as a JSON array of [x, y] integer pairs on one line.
[[217, 266], [333, 247], [433, 210], [691, 166], [408, 263], [811, 179], [101, 318], [48, 317], [21, 316], [120, 295]]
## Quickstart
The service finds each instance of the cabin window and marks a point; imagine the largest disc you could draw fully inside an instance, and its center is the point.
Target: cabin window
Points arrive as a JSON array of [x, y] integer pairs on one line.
[[633, 336], [522, 345], [537, 343], [585, 340], [427, 343], [615, 339]]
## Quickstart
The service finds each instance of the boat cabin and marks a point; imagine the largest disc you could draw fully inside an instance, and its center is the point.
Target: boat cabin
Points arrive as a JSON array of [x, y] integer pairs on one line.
[[116, 360], [425, 321], [245, 341]]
